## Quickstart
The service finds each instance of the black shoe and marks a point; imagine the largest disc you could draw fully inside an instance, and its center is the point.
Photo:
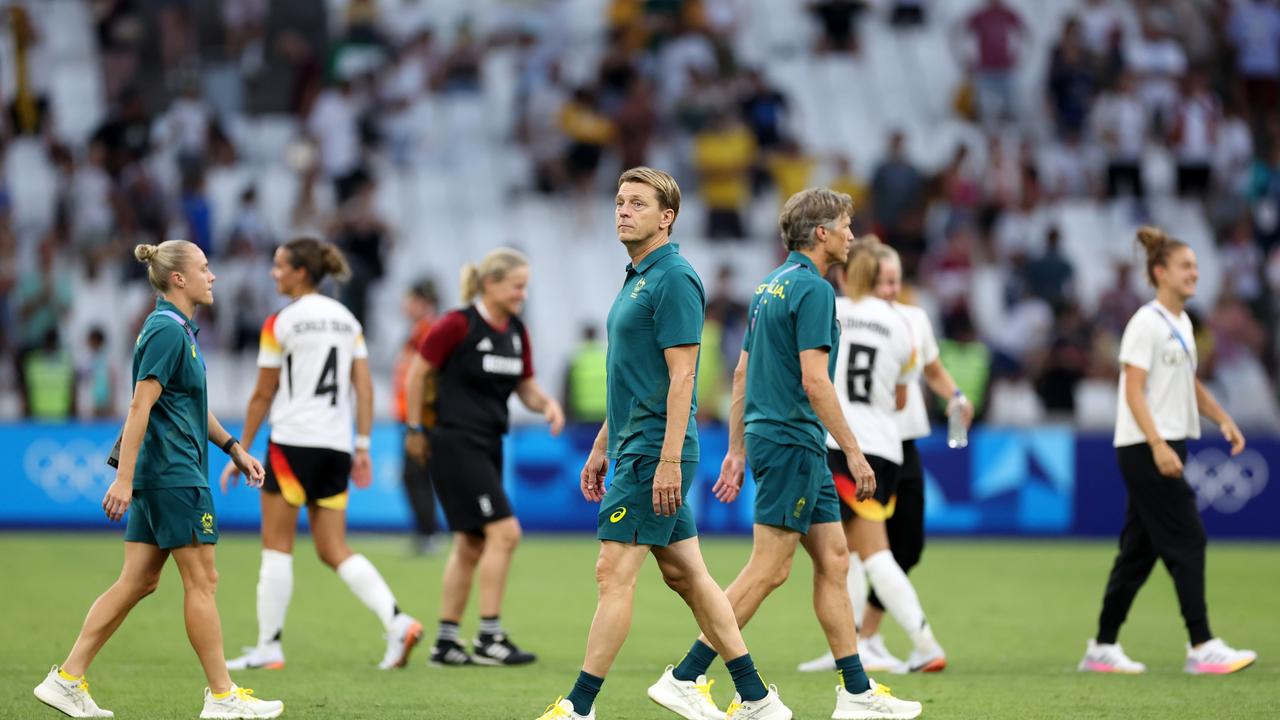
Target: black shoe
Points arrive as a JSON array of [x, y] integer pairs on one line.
[[449, 653], [498, 650]]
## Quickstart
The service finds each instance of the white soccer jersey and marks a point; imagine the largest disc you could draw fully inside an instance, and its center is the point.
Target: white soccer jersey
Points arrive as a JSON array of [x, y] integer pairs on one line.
[[1165, 347], [913, 420], [313, 341], [875, 355]]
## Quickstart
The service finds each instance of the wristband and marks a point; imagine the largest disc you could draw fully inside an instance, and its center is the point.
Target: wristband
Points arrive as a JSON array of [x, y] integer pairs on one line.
[[419, 428], [230, 443], [362, 442], [676, 461]]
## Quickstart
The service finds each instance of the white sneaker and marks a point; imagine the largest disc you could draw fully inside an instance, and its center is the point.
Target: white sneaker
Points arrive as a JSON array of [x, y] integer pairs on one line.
[[562, 709], [239, 704], [266, 657], [769, 707], [1217, 658], [874, 704], [690, 699], [1108, 658], [926, 660], [70, 696], [824, 663], [877, 658], [405, 634]]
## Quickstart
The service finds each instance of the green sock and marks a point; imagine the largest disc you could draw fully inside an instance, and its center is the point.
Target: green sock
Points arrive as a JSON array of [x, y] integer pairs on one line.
[[746, 679], [695, 663], [583, 694], [852, 676]]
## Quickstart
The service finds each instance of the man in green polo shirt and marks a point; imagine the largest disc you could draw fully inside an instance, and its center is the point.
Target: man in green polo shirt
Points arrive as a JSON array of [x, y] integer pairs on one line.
[[655, 326], [783, 407]]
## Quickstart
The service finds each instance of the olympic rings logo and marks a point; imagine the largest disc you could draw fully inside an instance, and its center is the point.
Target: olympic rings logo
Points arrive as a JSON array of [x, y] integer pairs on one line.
[[1226, 483], [68, 472]]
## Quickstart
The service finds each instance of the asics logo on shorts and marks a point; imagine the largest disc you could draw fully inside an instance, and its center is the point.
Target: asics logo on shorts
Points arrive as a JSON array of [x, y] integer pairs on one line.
[[486, 505], [618, 515]]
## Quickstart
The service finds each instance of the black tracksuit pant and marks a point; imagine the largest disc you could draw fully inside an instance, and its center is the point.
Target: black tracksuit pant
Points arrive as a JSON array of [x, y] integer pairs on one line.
[[1161, 521]]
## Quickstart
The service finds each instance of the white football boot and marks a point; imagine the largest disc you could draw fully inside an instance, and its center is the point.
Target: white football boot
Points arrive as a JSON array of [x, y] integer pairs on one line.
[[70, 696], [265, 657], [876, 657], [405, 634], [823, 663]]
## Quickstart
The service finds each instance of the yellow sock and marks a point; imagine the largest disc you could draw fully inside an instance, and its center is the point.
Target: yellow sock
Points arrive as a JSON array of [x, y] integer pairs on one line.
[[221, 696], [69, 678]]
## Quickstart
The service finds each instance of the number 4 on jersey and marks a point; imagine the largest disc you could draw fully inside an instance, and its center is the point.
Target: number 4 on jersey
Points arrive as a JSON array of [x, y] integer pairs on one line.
[[328, 384]]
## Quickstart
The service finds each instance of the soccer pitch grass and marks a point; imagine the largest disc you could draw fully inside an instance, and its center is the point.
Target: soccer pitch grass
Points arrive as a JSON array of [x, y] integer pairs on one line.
[[1013, 616]]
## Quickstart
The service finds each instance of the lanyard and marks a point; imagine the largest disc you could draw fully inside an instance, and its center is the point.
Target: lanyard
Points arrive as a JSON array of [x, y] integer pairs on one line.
[[195, 346], [1176, 334]]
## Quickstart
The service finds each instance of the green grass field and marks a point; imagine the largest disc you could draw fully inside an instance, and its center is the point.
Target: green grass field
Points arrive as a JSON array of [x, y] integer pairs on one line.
[[1014, 617]]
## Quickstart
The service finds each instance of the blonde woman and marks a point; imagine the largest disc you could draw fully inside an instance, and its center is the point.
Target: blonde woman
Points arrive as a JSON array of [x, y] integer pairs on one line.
[[479, 355], [162, 480], [312, 362]]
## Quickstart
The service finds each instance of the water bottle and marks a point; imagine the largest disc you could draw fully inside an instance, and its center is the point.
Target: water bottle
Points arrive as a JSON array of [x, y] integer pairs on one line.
[[957, 431]]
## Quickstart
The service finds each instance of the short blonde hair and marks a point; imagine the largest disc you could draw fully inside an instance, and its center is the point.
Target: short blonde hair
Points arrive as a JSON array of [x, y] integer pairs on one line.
[[808, 209], [662, 183], [165, 259], [494, 266]]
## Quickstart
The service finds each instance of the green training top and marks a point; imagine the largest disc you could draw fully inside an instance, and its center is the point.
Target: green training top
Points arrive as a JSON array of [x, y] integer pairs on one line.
[[794, 309], [661, 305], [175, 450]]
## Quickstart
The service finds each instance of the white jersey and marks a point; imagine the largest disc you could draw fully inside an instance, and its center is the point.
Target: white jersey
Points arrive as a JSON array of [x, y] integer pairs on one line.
[[875, 355], [1165, 347], [913, 420], [314, 341]]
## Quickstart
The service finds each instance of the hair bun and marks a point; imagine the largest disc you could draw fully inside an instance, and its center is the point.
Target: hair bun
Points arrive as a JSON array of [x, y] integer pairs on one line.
[[144, 252]]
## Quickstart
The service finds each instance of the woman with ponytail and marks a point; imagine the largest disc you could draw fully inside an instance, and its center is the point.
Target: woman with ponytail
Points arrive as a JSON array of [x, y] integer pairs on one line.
[[476, 357], [318, 347], [162, 479], [1159, 409]]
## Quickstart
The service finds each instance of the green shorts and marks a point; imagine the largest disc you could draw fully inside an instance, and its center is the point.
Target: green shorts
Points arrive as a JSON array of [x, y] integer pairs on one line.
[[172, 517], [626, 513], [794, 488]]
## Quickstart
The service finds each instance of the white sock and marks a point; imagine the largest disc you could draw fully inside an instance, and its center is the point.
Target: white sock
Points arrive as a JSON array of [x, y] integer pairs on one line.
[[275, 588], [900, 599], [857, 583], [362, 577]]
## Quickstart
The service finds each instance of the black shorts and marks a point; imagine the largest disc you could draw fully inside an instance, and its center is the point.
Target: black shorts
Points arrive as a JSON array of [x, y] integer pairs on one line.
[[467, 473], [878, 507], [305, 475]]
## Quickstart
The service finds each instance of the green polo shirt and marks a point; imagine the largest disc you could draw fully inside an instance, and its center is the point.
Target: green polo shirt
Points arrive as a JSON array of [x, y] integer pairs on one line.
[[661, 305], [794, 309], [175, 450]]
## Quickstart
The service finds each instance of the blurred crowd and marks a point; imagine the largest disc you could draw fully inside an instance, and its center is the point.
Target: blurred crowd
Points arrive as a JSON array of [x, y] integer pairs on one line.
[[1134, 96]]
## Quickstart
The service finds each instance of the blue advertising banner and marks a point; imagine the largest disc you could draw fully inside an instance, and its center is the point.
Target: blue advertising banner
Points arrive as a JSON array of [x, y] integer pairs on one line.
[[1042, 482]]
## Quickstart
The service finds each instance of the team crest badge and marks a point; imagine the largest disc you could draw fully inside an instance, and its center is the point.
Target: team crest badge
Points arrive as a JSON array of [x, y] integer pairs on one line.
[[206, 523]]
